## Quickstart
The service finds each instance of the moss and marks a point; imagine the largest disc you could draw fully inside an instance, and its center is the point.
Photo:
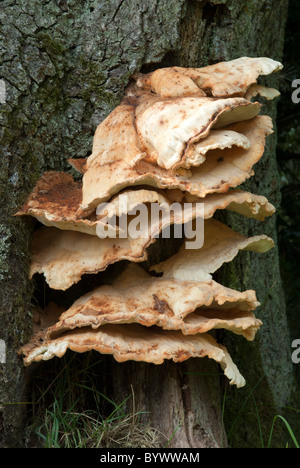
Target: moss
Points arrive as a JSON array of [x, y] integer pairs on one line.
[[229, 29], [51, 45], [55, 102], [49, 94], [94, 86]]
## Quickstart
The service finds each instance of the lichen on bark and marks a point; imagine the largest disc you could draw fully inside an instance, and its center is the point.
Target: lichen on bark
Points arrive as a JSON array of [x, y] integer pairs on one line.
[[65, 67]]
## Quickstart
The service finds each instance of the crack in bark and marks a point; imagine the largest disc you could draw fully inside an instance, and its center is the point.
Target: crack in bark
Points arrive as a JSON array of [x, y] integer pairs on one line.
[[117, 10]]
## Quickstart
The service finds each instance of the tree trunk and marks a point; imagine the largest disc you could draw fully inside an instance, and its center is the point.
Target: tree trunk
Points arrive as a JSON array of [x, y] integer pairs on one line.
[[65, 66]]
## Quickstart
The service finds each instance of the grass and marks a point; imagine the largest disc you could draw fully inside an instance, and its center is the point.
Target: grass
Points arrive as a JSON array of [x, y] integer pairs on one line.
[[262, 436], [289, 429], [70, 411], [70, 429], [251, 397], [174, 433]]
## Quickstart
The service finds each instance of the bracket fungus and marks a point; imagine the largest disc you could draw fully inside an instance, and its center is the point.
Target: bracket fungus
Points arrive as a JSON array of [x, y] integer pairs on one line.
[[180, 136], [233, 78], [134, 343], [137, 297], [63, 256], [221, 245], [222, 170], [54, 202]]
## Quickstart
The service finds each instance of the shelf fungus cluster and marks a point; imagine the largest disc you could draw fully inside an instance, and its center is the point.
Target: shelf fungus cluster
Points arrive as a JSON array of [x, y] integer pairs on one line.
[[180, 135]]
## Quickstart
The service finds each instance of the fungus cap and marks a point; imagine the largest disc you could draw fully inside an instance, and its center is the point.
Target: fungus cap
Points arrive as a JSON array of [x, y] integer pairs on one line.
[[54, 202], [167, 128], [129, 200], [221, 245], [269, 93], [220, 80], [116, 137], [64, 256], [217, 139], [188, 306], [223, 169], [238, 201], [138, 343]]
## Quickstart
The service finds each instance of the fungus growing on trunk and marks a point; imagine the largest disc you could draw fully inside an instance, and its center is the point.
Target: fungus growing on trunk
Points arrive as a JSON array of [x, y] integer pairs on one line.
[[168, 128], [54, 202], [221, 245], [184, 136], [223, 169], [137, 297], [133, 342], [225, 79], [64, 256]]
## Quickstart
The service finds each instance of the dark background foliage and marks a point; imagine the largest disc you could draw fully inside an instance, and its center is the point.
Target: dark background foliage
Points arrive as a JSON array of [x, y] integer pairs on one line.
[[289, 164]]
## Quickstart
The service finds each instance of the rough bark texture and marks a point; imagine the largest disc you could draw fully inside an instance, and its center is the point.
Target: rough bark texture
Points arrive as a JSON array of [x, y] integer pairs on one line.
[[65, 65]]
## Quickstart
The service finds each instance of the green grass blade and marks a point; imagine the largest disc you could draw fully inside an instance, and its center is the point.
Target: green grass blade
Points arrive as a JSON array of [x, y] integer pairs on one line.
[[243, 406], [259, 422], [173, 435], [288, 428]]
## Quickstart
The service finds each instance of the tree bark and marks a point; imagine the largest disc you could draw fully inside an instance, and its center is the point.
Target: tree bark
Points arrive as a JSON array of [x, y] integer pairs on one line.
[[65, 66]]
